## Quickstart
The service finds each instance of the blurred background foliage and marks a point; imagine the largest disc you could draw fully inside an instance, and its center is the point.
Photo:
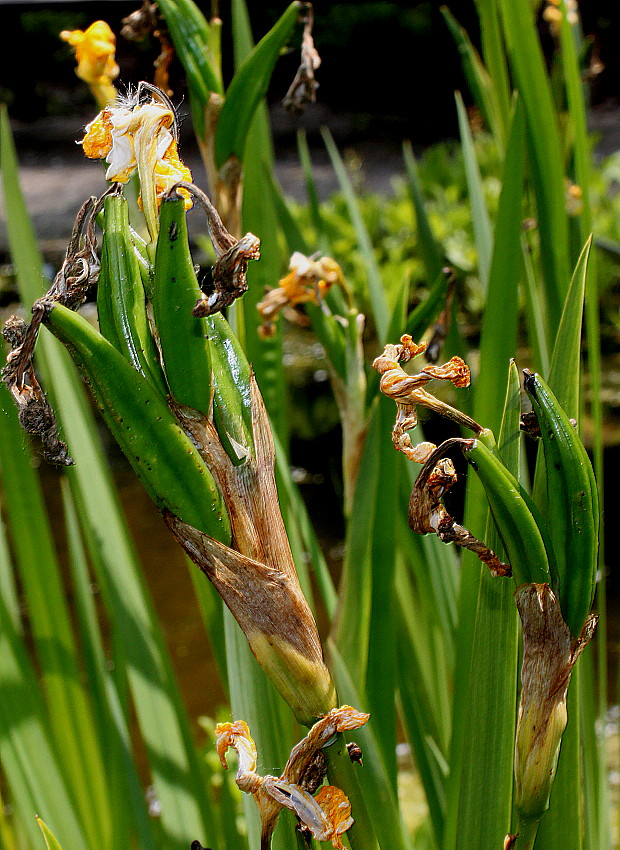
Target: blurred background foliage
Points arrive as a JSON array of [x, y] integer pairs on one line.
[[371, 53]]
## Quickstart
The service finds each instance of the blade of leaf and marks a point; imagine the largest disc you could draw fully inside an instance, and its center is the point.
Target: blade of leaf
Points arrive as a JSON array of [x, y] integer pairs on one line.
[[380, 307], [479, 212], [432, 253], [124, 790], [50, 839], [478, 79], [69, 709], [376, 785], [528, 67], [26, 752], [249, 87]]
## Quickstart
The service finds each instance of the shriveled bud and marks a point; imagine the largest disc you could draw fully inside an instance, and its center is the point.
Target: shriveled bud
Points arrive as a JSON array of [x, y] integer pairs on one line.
[[549, 656]]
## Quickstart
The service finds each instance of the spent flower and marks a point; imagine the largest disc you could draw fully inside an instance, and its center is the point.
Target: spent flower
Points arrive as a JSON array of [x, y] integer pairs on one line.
[[309, 280], [325, 816], [137, 134], [94, 51], [408, 392]]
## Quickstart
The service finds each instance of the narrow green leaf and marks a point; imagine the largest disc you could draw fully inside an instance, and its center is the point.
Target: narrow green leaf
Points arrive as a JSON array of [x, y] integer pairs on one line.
[[376, 785], [432, 253], [483, 740], [28, 757], [378, 300], [68, 707], [494, 54], [478, 79], [532, 83], [316, 215], [249, 87], [351, 623], [48, 835], [479, 212], [193, 42], [123, 786], [565, 371]]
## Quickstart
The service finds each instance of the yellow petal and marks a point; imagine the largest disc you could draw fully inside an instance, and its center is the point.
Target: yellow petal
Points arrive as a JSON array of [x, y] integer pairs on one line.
[[97, 142], [94, 52], [237, 736], [170, 170], [337, 809]]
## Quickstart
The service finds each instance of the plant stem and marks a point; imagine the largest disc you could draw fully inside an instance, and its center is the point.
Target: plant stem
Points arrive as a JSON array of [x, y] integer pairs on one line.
[[341, 772], [527, 830]]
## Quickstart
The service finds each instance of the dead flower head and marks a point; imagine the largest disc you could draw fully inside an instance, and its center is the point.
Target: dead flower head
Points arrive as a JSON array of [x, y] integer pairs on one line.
[[327, 815], [427, 514], [408, 392], [309, 280], [303, 88], [94, 52], [139, 133]]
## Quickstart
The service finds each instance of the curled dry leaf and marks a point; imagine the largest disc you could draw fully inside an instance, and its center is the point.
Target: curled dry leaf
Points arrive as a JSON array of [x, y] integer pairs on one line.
[[303, 88], [78, 273]]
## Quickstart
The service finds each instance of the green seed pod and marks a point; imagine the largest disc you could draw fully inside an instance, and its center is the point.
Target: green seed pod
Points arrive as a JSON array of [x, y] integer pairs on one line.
[[121, 301], [164, 458], [232, 394], [513, 513], [572, 510], [182, 336]]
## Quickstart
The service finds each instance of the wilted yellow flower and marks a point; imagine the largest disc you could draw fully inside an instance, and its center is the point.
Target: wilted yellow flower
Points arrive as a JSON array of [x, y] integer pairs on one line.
[[308, 281], [132, 134], [407, 391], [325, 816], [94, 52]]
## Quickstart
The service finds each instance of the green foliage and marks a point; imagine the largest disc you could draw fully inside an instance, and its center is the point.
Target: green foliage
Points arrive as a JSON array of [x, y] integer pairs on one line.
[[425, 640]]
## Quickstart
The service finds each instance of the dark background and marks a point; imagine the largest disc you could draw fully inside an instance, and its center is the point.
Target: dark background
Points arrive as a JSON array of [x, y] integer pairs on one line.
[[390, 67]]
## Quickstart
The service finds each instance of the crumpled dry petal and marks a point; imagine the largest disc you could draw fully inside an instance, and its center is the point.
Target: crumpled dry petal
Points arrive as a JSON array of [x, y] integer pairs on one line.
[[408, 392], [303, 88], [327, 815], [308, 281], [427, 514], [134, 135]]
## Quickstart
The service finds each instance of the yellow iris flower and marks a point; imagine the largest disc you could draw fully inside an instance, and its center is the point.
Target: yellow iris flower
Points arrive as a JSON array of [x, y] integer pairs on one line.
[[133, 135], [94, 51]]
